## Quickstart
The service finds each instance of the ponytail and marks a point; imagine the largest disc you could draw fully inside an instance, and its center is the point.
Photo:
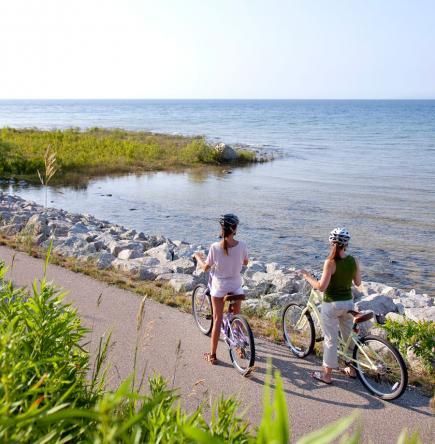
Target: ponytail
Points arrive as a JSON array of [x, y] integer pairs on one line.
[[336, 249], [226, 231]]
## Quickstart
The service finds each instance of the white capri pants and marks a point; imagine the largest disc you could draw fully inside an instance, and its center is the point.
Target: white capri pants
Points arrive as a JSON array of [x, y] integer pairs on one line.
[[334, 315]]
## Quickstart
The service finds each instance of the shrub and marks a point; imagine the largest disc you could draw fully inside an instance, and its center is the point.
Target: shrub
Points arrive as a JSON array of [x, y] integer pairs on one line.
[[419, 336]]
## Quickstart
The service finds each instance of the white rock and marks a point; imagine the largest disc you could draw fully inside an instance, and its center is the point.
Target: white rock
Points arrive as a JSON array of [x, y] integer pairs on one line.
[[130, 254], [395, 317], [104, 260], [378, 303], [182, 265], [178, 281], [225, 152], [421, 314], [163, 252]]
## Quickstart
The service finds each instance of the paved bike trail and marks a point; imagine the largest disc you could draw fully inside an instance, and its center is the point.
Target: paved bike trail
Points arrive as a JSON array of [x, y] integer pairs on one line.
[[170, 344]]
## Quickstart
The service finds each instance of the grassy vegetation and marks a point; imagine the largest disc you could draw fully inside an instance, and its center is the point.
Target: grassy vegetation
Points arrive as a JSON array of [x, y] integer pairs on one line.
[[94, 152], [46, 397], [419, 337]]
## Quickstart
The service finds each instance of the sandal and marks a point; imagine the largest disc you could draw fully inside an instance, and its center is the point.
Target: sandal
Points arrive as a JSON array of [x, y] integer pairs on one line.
[[318, 376], [211, 358], [347, 371]]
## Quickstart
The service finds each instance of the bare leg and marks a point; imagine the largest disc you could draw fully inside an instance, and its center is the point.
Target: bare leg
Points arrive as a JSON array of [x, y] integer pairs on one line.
[[236, 307], [218, 312]]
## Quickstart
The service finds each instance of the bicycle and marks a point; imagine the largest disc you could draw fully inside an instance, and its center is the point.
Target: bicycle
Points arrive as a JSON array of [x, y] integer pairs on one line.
[[235, 329], [378, 364]]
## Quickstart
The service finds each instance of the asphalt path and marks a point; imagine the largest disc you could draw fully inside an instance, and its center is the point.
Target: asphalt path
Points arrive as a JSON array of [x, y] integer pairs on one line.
[[170, 344]]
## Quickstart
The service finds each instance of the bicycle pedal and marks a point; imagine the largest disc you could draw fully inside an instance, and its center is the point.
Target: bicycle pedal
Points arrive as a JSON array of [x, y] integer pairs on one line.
[[208, 317], [319, 339]]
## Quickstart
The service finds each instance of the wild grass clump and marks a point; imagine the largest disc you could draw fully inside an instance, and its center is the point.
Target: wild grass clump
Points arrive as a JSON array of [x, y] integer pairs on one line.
[[23, 152]]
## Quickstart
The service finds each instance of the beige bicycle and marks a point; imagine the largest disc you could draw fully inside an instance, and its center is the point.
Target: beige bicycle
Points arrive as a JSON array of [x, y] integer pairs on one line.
[[378, 364]]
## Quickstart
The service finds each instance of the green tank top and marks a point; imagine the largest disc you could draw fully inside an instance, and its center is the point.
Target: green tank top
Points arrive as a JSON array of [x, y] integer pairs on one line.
[[339, 289]]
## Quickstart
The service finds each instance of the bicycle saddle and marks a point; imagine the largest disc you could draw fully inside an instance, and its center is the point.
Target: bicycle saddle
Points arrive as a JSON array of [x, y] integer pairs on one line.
[[234, 297], [359, 316]]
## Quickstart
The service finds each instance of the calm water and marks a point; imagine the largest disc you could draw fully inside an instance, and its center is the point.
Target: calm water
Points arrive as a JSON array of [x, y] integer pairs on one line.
[[368, 165]]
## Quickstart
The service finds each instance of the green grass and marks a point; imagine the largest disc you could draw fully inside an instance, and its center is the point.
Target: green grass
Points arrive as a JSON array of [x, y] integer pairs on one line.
[[96, 152]]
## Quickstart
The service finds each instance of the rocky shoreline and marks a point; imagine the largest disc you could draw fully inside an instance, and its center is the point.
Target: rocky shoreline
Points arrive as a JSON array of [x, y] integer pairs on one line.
[[142, 256]]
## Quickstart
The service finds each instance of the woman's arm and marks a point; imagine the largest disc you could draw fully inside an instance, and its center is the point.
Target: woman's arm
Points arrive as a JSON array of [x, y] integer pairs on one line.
[[357, 277], [322, 285], [200, 258]]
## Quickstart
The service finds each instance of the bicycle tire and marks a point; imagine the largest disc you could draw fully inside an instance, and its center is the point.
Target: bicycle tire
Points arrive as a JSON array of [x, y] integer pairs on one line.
[[242, 356], [301, 340], [203, 318], [390, 373]]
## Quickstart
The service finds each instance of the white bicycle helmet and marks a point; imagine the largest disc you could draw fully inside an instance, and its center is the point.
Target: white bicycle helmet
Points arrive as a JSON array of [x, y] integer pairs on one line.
[[339, 236]]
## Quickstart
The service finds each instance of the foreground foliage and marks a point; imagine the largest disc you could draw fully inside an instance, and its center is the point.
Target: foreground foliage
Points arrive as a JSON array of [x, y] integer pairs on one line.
[[417, 336], [47, 396], [98, 151]]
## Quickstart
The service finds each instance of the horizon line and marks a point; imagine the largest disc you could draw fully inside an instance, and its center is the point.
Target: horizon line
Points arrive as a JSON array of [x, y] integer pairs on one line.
[[222, 99]]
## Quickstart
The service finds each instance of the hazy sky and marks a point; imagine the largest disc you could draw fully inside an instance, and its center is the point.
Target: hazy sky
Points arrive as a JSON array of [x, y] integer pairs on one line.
[[217, 49]]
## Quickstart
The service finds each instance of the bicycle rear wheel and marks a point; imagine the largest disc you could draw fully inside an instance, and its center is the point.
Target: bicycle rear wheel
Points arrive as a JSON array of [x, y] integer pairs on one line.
[[202, 309], [380, 367], [298, 330], [241, 345]]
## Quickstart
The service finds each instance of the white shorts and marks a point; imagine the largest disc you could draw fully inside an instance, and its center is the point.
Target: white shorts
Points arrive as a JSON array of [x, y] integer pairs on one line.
[[221, 294]]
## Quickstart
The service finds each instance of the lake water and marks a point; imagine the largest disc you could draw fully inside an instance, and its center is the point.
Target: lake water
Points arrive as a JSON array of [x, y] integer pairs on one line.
[[368, 165]]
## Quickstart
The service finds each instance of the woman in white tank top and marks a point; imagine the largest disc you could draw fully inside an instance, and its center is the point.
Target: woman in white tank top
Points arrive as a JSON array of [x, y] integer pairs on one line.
[[225, 259]]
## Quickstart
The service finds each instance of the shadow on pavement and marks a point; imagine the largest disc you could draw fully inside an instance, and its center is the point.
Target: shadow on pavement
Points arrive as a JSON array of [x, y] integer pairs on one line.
[[296, 373]]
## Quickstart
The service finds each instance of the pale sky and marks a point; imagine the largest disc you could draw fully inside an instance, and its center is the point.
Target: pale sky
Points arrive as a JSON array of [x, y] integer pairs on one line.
[[282, 49]]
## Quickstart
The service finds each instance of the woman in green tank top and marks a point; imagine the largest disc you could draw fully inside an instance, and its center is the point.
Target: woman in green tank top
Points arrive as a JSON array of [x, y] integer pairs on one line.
[[339, 272]]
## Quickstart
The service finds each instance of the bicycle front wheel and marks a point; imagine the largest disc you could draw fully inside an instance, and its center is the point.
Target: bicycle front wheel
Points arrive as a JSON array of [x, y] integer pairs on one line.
[[380, 367], [241, 345], [298, 330], [202, 309]]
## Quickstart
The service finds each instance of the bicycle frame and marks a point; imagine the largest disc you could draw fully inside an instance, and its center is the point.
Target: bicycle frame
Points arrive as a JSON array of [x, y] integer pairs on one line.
[[226, 321], [344, 346]]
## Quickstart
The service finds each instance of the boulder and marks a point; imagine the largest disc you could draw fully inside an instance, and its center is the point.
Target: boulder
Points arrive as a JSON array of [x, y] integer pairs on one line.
[[58, 228], [115, 247], [129, 234], [395, 317], [130, 253], [163, 252], [285, 283], [104, 260], [182, 265], [178, 281], [421, 314], [37, 226], [10, 229], [79, 228], [225, 152], [378, 303]]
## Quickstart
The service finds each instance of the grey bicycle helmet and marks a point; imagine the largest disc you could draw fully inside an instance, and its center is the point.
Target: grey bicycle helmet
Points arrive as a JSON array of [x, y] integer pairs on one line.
[[339, 236], [228, 220]]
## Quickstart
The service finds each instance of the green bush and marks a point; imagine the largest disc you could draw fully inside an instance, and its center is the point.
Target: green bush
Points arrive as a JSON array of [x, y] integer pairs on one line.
[[198, 151], [419, 336]]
